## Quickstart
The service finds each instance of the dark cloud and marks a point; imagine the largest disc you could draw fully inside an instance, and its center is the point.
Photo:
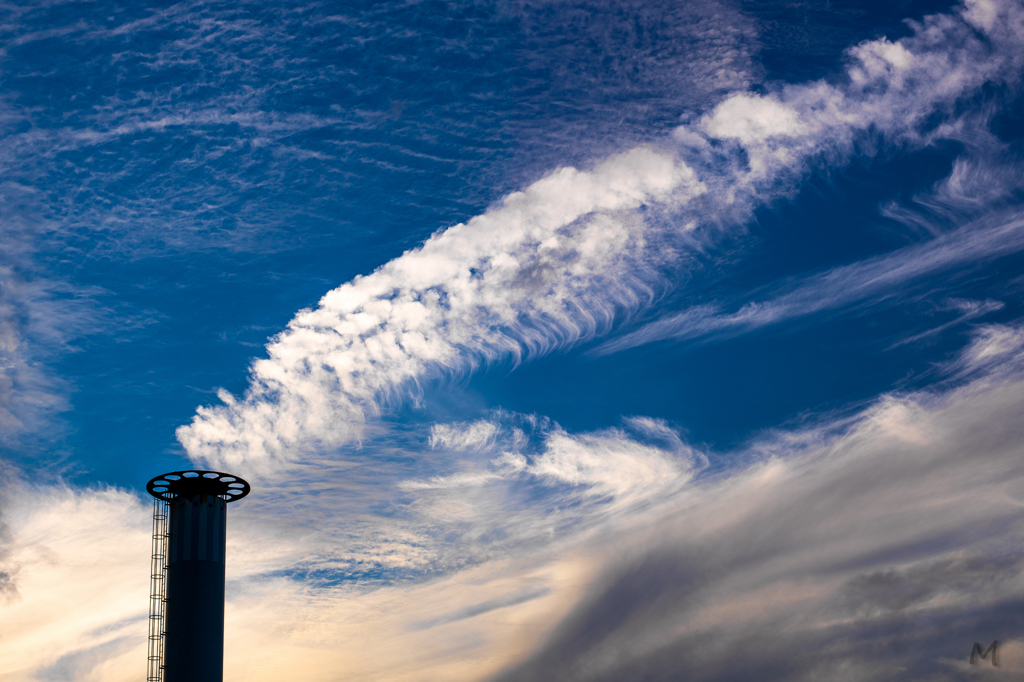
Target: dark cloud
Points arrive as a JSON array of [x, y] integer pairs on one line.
[[882, 626], [8, 586], [882, 554]]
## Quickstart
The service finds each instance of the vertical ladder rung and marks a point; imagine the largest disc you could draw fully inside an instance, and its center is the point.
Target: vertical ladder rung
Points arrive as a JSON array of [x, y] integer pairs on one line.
[[157, 593]]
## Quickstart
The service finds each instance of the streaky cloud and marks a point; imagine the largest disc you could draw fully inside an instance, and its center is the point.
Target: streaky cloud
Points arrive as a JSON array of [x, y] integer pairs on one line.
[[883, 543], [882, 550], [561, 261], [548, 266], [881, 279]]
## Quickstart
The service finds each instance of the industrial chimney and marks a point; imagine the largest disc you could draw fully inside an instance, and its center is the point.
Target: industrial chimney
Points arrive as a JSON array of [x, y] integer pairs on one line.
[[186, 614]]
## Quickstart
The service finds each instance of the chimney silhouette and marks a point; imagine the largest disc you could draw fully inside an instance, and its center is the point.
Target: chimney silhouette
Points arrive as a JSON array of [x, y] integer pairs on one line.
[[186, 615]]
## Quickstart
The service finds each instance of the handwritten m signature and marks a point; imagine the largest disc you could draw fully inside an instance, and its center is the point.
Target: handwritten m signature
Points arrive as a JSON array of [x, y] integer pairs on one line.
[[993, 649]]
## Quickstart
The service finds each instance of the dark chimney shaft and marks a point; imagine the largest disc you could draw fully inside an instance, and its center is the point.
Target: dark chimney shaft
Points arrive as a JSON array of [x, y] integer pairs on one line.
[[187, 642]]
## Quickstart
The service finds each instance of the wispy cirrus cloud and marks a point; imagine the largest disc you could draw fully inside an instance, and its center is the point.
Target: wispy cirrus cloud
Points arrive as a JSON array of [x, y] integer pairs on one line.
[[993, 345], [882, 280], [166, 132], [454, 556], [548, 266], [39, 319], [269, 109], [561, 261]]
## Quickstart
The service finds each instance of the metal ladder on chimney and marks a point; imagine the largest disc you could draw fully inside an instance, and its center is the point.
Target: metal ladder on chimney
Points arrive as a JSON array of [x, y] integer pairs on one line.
[[157, 593]]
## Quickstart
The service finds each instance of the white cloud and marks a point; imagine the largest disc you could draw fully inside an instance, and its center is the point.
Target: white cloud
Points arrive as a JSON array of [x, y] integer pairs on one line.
[[80, 560], [605, 472], [546, 267], [452, 481], [880, 59], [462, 436], [610, 464], [38, 320], [556, 263], [982, 13], [993, 344], [902, 523], [752, 119], [506, 537], [475, 570], [907, 511]]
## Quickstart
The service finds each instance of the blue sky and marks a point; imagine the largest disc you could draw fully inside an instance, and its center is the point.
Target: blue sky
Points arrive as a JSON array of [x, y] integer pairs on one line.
[[557, 340]]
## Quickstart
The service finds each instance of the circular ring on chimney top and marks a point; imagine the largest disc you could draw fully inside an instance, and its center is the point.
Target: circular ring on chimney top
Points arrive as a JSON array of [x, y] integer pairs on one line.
[[197, 482]]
